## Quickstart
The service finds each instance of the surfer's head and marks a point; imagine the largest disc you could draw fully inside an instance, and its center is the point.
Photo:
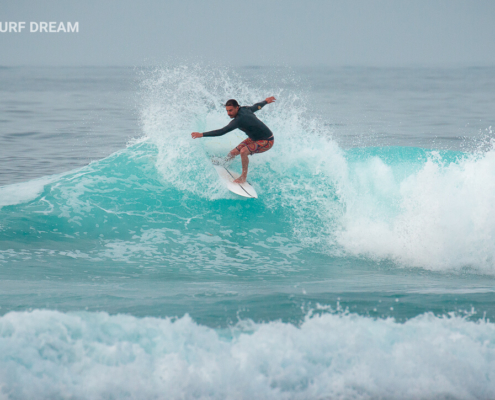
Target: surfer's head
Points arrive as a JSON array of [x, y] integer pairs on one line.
[[232, 107]]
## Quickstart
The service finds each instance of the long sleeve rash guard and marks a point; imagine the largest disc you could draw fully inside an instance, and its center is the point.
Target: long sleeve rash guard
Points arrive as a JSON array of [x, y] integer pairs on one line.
[[246, 121]]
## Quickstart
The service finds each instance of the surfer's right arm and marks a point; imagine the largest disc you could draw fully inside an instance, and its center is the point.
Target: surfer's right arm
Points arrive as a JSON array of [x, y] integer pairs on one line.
[[219, 132]]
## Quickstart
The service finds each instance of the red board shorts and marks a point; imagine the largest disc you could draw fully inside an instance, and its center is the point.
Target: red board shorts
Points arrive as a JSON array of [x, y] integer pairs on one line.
[[259, 146]]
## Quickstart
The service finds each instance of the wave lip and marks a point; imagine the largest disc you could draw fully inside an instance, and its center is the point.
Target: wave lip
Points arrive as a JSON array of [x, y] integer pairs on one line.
[[19, 193], [48, 354]]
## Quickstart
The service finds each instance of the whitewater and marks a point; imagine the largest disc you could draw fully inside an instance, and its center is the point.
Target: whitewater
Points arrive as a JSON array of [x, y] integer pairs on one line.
[[365, 270]]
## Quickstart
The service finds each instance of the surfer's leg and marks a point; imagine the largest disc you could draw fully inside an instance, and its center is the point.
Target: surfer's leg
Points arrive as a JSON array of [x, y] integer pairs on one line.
[[245, 162], [246, 148], [237, 150], [233, 153]]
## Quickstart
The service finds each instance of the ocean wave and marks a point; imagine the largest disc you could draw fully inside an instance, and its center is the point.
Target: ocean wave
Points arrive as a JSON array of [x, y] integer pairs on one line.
[[416, 207], [48, 354]]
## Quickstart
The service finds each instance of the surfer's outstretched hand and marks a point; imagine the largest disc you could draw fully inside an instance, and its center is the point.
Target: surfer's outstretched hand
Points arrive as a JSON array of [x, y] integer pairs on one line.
[[270, 99], [196, 135]]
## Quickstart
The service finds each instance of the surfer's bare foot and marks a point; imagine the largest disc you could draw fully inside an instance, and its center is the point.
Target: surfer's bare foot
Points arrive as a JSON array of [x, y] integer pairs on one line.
[[241, 179]]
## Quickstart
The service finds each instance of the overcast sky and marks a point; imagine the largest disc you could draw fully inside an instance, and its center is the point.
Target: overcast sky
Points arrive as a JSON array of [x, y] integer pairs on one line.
[[254, 32]]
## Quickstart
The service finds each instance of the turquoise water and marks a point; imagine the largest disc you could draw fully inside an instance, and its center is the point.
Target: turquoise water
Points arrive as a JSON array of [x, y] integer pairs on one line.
[[360, 272]]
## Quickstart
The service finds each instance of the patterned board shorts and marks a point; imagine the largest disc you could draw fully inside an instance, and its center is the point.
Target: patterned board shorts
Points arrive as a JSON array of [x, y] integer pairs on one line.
[[260, 146]]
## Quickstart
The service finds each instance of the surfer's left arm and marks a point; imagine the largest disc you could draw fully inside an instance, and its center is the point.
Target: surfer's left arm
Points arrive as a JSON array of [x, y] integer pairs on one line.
[[259, 106]]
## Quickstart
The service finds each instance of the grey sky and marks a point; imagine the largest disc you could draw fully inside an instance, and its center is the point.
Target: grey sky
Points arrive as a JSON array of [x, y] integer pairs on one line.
[[254, 32]]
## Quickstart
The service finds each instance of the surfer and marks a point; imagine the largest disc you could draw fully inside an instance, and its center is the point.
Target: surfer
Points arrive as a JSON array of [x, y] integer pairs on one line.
[[260, 137]]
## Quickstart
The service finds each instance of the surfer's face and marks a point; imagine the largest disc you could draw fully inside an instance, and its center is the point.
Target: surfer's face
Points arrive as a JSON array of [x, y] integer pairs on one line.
[[232, 111]]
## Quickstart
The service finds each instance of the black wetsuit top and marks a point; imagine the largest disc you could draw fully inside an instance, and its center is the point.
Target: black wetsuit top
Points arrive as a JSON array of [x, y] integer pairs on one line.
[[246, 121]]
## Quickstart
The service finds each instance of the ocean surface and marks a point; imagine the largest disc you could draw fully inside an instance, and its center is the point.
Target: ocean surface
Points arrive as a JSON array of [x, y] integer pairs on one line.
[[365, 270]]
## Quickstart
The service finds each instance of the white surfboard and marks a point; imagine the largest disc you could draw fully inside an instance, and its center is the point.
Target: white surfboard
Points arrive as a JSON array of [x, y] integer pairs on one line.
[[241, 189]]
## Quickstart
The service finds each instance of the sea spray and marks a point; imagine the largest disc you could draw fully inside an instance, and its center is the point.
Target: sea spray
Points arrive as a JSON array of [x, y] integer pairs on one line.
[[302, 172]]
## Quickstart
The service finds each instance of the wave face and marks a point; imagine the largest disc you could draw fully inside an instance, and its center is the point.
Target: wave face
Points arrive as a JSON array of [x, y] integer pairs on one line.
[[417, 207], [47, 355]]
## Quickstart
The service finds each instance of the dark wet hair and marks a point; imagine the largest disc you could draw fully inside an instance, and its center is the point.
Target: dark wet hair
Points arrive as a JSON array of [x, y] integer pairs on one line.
[[232, 103]]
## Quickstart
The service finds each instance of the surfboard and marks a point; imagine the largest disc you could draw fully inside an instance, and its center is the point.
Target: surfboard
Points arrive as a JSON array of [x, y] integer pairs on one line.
[[241, 189]]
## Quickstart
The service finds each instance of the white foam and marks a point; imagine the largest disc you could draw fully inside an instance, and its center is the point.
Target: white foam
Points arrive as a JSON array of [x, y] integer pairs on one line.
[[441, 217], [48, 354], [19, 193]]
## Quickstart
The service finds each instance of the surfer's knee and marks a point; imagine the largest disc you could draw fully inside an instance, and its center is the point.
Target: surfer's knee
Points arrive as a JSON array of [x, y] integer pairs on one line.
[[245, 151], [234, 153]]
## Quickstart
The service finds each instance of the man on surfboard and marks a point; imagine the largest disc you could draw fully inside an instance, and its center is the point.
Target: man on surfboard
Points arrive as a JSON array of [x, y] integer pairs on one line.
[[260, 137]]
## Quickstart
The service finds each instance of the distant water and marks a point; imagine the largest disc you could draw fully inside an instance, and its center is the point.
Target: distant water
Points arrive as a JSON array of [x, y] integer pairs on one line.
[[365, 270]]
